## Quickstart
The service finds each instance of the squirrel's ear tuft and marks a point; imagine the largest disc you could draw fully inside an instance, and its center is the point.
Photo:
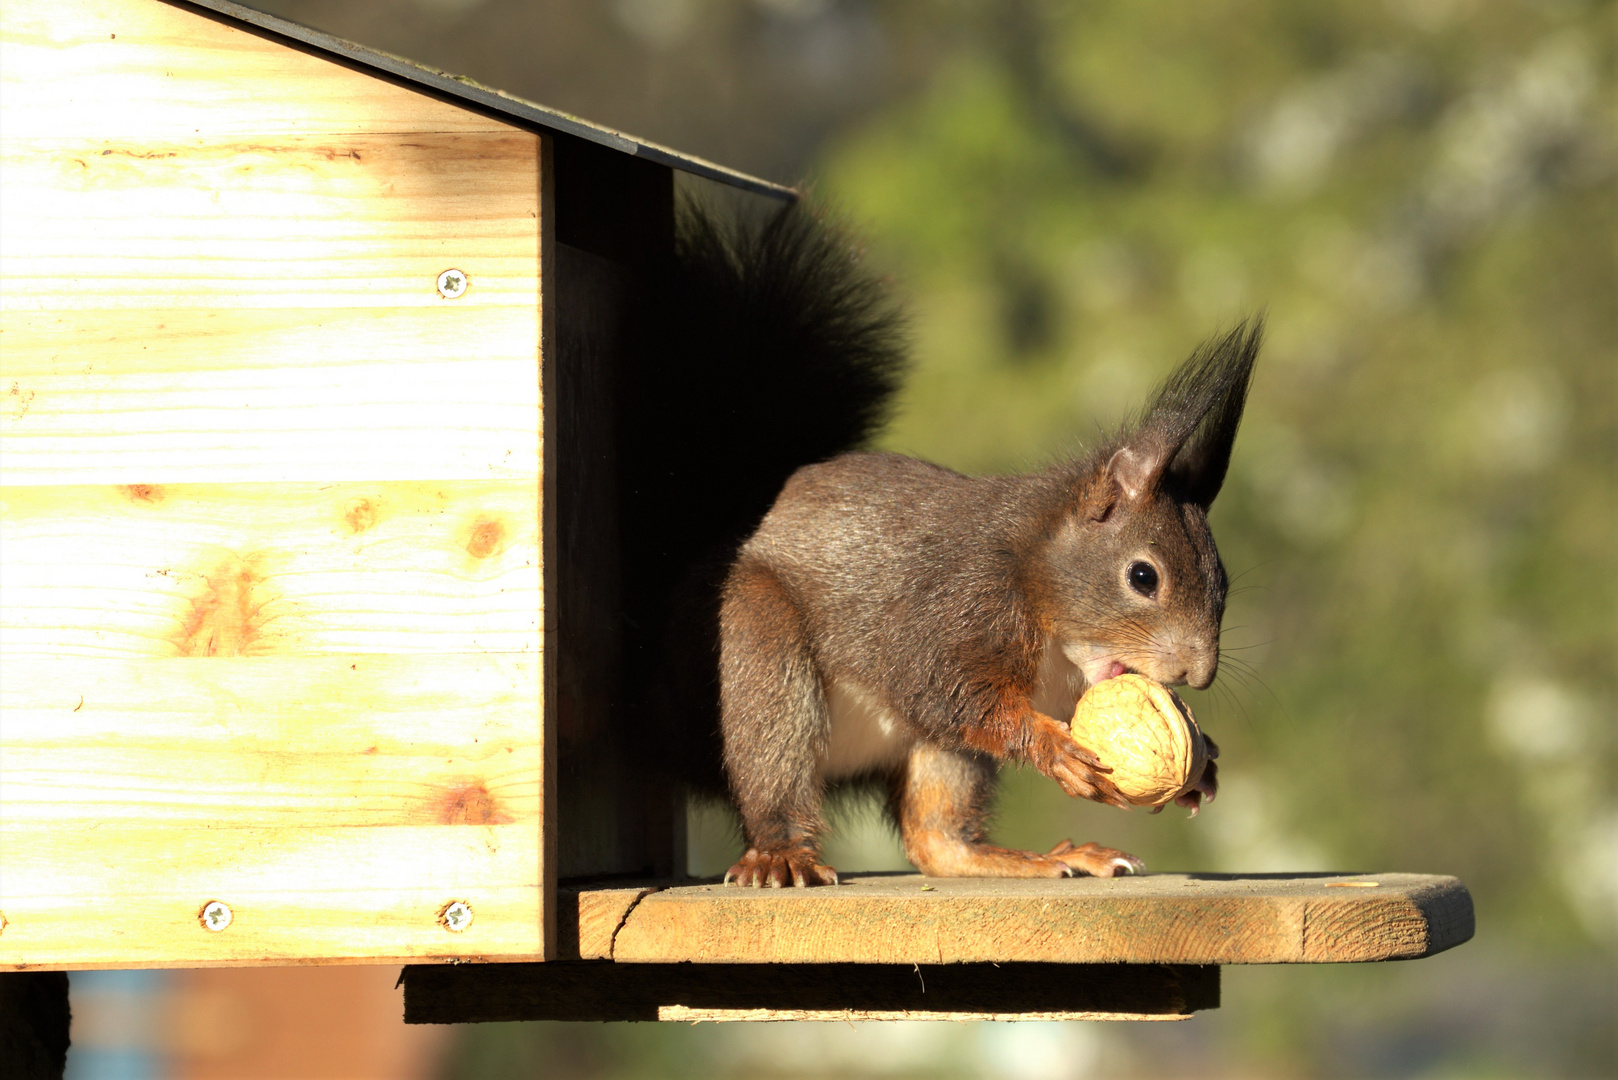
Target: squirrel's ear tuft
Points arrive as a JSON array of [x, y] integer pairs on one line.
[[1198, 469], [1184, 440]]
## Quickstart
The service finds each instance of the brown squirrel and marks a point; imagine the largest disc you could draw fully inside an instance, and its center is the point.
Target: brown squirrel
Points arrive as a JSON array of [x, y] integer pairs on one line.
[[890, 620]]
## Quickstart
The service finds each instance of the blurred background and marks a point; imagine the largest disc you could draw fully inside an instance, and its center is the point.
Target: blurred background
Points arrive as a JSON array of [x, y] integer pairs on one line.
[[1419, 521]]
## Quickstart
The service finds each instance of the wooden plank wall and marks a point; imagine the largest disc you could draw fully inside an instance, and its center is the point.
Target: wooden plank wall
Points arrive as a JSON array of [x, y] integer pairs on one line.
[[271, 546]]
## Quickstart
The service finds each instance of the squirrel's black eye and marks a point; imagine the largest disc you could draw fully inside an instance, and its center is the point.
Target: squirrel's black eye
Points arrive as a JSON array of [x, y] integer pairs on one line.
[[1142, 578]]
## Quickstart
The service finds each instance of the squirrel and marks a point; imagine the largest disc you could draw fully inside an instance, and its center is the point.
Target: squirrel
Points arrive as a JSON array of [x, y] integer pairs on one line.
[[868, 617]]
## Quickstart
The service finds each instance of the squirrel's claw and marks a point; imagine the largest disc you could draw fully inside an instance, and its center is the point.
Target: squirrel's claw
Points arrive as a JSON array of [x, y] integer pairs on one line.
[[778, 870], [1086, 755], [1096, 861], [1072, 766], [1202, 792]]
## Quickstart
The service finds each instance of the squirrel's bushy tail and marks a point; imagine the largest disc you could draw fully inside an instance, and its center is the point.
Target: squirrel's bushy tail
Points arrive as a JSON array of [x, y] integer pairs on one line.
[[771, 346], [780, 349]]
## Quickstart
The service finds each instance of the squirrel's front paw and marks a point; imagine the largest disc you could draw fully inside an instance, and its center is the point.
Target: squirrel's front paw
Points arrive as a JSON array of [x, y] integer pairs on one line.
[[778, 869], [1080, 772]]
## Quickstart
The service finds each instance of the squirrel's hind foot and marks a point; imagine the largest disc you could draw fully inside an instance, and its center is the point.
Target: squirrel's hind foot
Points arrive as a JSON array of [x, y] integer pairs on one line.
[[778, 869], [1093, 860], [957, 859], [989, 860]]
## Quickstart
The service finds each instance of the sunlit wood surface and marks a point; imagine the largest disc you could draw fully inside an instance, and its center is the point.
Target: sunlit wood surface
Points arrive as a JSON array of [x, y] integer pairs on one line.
[[1155, 919], [271, 556]]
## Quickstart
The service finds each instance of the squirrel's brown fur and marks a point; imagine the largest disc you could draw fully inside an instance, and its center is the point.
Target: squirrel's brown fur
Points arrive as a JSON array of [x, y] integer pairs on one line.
[[891, 618]]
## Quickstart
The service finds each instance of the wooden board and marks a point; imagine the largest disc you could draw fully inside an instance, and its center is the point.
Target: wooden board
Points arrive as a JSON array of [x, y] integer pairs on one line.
[[1154, 919], [266, 741], [268, 310], [203, 570], [335, 803], [111, 67], [689, 992], [273, 555], [588, 918]]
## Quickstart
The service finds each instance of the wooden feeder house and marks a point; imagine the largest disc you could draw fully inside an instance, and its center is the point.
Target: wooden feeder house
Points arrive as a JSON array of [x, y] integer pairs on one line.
[[311, 583]]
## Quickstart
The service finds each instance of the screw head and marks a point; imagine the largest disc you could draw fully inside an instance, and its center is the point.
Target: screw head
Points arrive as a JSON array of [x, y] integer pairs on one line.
[[452, 284], [215, 915], [456, 916]]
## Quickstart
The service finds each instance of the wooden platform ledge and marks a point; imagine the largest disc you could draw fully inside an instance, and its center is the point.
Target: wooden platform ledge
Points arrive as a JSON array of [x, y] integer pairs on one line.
[[1154, 919], [1136, 948]]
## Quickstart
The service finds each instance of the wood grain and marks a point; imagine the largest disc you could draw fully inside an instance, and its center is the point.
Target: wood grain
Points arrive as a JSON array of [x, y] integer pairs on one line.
[[266, 742], [268, 310], [270, 569], [273, 550], [438, 994], [288, 925], [203, 696], [601, 914], [588, 917], [1159, 918], [336, 803], [299, 221], [144, 68]]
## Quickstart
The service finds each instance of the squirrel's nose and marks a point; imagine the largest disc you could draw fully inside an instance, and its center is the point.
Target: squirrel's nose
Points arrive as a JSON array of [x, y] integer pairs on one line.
[[1202, 671]]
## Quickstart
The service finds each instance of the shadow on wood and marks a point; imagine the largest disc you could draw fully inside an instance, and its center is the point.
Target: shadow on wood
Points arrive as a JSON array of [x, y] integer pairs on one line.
[[600, 990]]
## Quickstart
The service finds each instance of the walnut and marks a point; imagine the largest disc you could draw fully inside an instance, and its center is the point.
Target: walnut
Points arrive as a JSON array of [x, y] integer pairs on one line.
[[1145, 733]]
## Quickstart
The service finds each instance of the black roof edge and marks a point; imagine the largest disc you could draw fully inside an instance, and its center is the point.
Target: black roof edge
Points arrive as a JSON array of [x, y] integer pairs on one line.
[[484, 98]]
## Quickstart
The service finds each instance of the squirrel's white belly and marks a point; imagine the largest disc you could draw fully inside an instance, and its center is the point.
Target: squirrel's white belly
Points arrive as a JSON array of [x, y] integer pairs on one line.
[[1061, 682], [865, 734]]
